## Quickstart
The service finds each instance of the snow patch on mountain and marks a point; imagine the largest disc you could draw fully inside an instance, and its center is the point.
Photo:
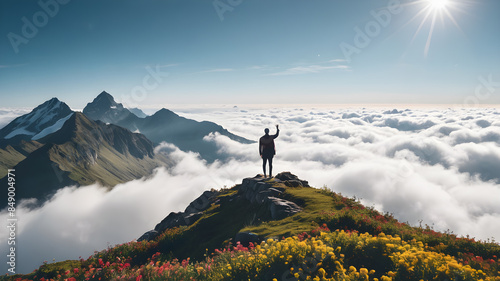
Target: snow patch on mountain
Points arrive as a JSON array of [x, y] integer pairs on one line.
[[34, 123], [52, 129], [20, 131]]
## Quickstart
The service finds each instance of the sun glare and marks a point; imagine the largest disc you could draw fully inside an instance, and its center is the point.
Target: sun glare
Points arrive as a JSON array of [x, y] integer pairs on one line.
[[431, 11], [438, 4]]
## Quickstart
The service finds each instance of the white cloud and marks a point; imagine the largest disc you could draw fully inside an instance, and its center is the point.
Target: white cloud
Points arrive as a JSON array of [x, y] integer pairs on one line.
[[435, 166], [9, 114]]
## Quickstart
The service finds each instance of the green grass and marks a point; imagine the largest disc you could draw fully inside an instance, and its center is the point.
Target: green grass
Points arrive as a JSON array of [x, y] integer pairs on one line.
[[313, 202], [11, 156]]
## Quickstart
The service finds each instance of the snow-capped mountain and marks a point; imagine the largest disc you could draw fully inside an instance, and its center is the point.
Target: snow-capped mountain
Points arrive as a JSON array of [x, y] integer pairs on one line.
[[41, 121], [80, 152]]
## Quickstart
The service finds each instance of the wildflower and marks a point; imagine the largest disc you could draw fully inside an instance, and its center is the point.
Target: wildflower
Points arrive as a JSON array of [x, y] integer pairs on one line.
[[321, 272]]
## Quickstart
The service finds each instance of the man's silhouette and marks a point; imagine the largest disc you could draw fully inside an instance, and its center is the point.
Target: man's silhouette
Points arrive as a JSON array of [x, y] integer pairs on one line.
[[267, 150]]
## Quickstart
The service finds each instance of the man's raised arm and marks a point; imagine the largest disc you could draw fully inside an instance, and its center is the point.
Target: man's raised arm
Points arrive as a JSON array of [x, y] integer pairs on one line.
[[277, 132]]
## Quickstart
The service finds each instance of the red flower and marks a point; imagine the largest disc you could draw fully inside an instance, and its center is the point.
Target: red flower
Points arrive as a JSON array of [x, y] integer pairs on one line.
[[75, 270], [138, 278]]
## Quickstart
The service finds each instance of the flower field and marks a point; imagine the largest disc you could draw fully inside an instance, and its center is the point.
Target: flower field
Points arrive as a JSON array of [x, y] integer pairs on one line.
[[345, 241]]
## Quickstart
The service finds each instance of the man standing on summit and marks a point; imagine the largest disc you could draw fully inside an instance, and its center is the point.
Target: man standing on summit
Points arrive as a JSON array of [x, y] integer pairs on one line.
[[267, 150]]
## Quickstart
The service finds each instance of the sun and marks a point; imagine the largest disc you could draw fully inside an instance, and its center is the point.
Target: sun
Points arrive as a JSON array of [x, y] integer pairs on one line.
[[437, 5], [432, 10]]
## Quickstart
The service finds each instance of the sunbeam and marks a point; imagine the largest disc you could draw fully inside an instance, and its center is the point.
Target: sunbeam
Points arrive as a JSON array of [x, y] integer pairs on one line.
[[430, 11]]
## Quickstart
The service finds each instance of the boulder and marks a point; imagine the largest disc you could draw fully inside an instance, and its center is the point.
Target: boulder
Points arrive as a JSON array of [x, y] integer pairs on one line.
[[291, 180], [202, 203], [264, 195], [281, 208], [172, 220], [150, 235]]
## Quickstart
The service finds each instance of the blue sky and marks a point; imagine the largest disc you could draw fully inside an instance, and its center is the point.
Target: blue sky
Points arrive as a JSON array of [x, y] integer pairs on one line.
[[152, 52]]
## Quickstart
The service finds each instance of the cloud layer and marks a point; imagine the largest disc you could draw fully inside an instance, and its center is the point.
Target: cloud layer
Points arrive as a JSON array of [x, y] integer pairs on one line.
[[435, 166]]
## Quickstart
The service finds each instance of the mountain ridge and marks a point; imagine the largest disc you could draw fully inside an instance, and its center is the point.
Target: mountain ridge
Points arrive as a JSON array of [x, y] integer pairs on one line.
[[163, 126], [84, 152]]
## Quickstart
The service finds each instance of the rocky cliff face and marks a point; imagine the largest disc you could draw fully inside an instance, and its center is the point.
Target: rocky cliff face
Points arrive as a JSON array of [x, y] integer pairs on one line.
[[257, 191]]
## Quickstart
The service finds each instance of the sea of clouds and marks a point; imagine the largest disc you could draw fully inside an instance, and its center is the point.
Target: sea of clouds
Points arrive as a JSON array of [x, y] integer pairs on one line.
[[439, 167]]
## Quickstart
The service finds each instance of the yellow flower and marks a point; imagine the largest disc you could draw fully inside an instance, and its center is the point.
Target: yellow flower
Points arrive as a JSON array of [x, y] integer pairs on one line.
[[321, 272]]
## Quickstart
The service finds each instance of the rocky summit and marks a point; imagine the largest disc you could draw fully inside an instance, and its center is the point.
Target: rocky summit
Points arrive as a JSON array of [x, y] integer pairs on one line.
[[261, 192]]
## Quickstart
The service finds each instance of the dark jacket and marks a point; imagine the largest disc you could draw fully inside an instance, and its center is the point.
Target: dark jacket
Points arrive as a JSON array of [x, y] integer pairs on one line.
[[266, 145]]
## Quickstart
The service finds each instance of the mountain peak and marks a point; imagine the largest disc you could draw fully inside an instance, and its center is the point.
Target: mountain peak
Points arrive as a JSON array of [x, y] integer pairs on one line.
[[50, 104], [104, 99], [105, 96], [105, 108], [40, 118]]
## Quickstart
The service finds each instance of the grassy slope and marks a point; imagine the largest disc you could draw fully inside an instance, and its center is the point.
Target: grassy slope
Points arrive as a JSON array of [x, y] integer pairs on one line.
[[11, 156], [321, 207], [110, 168]]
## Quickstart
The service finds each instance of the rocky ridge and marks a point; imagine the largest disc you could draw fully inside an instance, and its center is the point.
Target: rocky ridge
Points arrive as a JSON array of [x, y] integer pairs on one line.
[[258, 191]]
